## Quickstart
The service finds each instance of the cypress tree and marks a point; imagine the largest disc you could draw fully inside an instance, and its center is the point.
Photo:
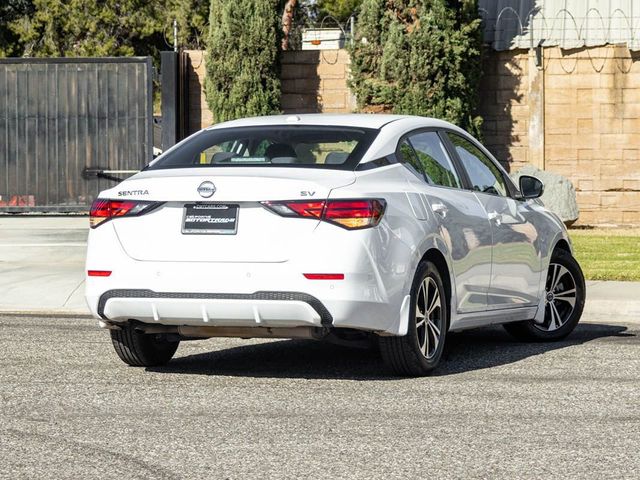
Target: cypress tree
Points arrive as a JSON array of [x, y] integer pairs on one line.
[[419, 57], [242, 59]]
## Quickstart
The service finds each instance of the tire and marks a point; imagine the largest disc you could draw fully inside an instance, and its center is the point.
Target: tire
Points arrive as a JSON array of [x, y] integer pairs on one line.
[[563, 304], [142, 349], [419, 351]]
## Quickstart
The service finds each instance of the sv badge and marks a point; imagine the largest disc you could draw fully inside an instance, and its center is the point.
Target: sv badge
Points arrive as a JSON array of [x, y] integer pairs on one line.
[[307, 193]]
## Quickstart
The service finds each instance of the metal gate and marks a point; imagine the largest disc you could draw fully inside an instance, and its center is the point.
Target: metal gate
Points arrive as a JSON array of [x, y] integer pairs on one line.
[[61, 115]]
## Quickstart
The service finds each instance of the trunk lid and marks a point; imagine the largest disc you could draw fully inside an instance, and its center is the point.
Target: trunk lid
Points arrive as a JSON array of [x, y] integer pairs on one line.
[[261, 235]]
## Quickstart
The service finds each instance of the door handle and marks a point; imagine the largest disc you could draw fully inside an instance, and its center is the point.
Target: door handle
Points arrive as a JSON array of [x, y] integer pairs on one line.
[[495, 217], [439, 209]]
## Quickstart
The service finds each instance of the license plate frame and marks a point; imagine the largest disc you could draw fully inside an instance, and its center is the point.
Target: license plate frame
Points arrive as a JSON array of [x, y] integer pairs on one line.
[[207, 223]]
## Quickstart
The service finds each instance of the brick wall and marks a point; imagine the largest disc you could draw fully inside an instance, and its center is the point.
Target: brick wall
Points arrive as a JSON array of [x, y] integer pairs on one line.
[[199, 114], [578, 115], [312, 81], [316, 81], [505, 108]]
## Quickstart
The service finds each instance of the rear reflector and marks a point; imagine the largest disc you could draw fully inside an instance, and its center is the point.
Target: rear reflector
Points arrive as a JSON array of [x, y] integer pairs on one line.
[[324, 276], [348, 213], [98, 273], [104, 209]]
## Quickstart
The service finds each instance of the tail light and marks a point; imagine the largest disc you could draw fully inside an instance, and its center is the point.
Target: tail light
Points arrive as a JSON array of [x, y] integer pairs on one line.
[[354, 213], [104, 209], [351, 214]]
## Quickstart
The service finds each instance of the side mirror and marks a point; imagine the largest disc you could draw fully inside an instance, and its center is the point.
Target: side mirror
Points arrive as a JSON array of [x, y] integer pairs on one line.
[[530, 187]]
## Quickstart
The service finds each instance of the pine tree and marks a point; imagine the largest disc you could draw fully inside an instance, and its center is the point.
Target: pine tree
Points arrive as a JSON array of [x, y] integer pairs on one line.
[[341, 10], [191, 16], [242, 59], [90, 28], [11, 13], [87, 28], [287, 21], [420, 58]]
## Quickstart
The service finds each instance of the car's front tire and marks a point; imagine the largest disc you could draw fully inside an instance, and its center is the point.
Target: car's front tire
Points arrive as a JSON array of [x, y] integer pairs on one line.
[[419, 351], [142, 349], [564, 302]]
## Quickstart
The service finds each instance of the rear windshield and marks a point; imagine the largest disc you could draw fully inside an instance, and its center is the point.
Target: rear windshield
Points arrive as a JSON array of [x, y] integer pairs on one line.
[[271, 146]]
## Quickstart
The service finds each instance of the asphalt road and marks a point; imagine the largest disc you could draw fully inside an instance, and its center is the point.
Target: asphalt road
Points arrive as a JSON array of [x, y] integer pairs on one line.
[[296, 409]]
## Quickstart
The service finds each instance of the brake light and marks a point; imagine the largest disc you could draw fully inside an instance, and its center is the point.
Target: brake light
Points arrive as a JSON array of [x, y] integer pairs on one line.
[[105, 209], [348, 213]]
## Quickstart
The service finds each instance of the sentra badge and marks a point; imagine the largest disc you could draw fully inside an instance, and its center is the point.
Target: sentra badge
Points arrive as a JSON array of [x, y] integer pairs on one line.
[[130, 193]]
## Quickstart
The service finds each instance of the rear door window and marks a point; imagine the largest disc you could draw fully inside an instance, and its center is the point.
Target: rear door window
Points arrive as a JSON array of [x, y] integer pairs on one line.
[[484, 175], [434, 160], [407, 156]]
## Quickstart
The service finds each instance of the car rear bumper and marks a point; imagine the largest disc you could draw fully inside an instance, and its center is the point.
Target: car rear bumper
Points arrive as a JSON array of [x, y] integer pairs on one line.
[[271, 296], [270, 309], [365, 296], [260, 309]]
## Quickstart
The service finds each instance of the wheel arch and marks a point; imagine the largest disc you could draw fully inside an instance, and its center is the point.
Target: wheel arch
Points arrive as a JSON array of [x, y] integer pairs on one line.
[[436, 257], [562, 244]]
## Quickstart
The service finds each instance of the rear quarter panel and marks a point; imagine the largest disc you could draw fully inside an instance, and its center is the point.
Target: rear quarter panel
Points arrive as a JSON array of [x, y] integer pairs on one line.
[[395, 248]]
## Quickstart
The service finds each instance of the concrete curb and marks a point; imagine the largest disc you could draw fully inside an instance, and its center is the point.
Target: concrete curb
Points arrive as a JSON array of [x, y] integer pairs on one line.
[[614, 300], [613, 308], [50, 312]]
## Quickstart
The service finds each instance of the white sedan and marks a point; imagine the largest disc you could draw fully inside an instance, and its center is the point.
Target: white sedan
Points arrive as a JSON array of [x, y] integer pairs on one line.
[[331, 227]]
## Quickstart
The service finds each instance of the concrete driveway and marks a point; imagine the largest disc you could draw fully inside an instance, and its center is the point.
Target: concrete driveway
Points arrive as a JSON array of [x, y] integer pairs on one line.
[[42, 264]]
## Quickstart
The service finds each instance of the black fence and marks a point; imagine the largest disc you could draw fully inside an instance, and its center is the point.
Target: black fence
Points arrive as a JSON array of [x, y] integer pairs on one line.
[[59, 116]]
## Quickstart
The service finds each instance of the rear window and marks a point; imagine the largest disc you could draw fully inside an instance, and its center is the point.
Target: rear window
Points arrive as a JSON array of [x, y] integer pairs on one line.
[[271, 146]]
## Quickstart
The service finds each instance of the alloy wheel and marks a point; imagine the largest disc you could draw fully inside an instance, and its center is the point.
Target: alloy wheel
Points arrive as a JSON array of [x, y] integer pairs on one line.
[[560, 298], [428, 317]]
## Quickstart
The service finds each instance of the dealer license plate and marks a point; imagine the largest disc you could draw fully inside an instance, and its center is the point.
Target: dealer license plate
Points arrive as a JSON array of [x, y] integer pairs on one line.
[[207, 218]]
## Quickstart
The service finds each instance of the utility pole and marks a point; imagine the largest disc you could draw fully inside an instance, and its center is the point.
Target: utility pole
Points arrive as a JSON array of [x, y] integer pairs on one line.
[[175, 35]]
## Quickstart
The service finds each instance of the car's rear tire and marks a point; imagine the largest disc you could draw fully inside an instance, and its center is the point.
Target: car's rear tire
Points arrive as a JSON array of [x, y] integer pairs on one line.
[[564, 302], [142, 349], [419, 351]]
